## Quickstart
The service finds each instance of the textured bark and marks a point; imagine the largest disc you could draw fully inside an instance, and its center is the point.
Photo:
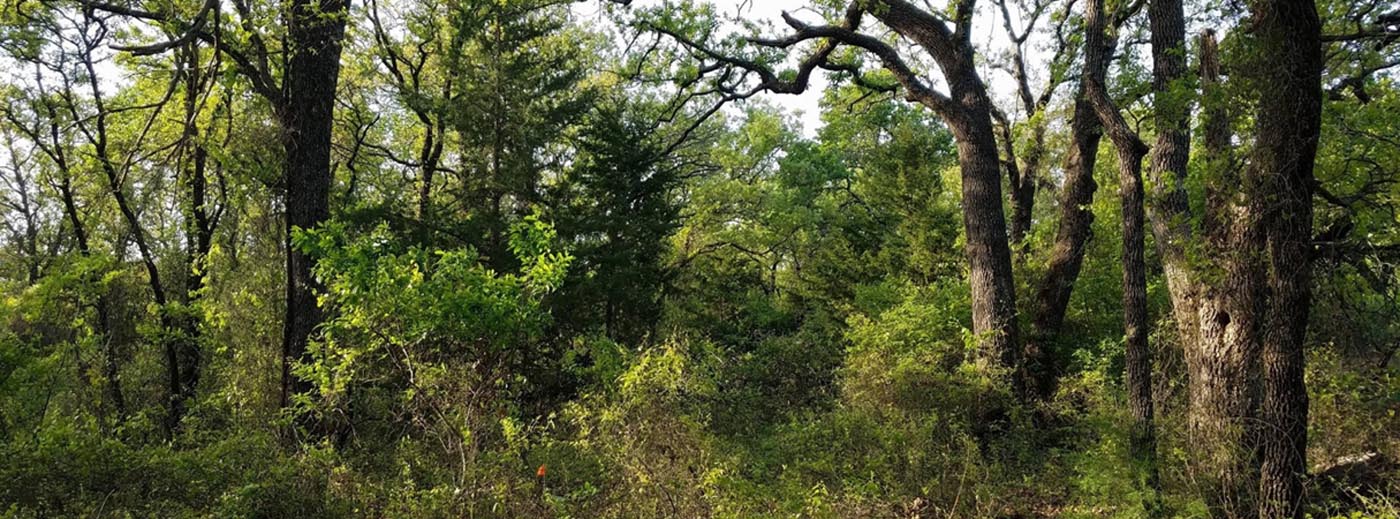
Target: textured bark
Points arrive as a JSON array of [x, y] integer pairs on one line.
[[1168, 210], [1287, 125], [1067, 254], [969, 117], [1215, 306], [987, 248], [1137, 353], [315, 35]]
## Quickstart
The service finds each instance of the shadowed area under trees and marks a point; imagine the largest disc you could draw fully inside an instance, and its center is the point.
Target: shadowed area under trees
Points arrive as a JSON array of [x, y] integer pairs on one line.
[[548, 258]]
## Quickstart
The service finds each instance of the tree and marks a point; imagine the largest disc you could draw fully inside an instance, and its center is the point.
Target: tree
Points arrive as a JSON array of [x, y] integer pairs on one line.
[[303, 102], [1099, 47], [1288, 75], [966, 109]]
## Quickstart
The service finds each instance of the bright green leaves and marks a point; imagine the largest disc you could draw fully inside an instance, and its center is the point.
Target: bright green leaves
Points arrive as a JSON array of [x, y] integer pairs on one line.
[[531, 240], [394, 308]]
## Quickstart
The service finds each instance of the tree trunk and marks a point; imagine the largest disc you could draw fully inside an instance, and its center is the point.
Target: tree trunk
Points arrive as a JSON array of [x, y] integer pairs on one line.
[[1288, 36], [1168, 209], [198, 234], [987, 248], [1215, 306], [1067, 254], [110, 367], [1137, 353], [317, 28], [1022, 183], [98, 137]]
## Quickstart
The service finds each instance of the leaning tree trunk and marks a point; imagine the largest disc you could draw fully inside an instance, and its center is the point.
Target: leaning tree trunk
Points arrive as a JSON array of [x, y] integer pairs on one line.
[[1067, 254], [316, 32], [1288, 39]]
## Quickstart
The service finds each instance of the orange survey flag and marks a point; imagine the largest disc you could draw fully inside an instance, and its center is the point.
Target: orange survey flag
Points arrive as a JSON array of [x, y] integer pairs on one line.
[[540, 473]]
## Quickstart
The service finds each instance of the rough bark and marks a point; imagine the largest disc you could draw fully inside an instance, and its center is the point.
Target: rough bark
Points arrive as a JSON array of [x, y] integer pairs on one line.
[[1287, 125], [1214, 305], [969, 117], [987, 248], [315, 34], [1137, 354], [1168, 210], [1067, 254]]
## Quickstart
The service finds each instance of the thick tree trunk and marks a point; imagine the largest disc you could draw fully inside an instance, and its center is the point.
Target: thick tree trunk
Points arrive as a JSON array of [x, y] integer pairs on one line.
[[1215, 307], [1168, 209], [1222, 356], [1288, 35], [987, 247], [968, 113], [317, 28]]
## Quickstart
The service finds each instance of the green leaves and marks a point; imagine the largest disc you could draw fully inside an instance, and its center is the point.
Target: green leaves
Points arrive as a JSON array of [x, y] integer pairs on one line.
[[394, 307]]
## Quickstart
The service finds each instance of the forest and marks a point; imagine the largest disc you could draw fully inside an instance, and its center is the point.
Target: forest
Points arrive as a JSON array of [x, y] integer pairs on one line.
[[700, 258]]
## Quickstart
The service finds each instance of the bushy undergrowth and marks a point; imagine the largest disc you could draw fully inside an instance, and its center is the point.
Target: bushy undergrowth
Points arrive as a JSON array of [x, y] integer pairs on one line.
[[878, 410]]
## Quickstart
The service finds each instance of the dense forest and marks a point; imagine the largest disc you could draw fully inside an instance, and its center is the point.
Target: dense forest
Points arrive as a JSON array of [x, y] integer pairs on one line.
[[553, 258]]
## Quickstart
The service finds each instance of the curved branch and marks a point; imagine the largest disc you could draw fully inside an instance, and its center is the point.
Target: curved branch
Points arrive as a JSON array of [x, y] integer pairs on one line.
[[190, 34]]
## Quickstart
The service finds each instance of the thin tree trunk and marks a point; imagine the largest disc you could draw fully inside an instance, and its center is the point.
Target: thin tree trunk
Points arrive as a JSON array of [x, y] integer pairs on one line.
[[111, 367], [1021, 181], [99, 138], [1098, 46], [198, 234]]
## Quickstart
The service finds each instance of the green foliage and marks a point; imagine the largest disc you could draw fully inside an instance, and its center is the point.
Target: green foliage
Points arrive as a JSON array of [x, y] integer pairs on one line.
[[616, 298]]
